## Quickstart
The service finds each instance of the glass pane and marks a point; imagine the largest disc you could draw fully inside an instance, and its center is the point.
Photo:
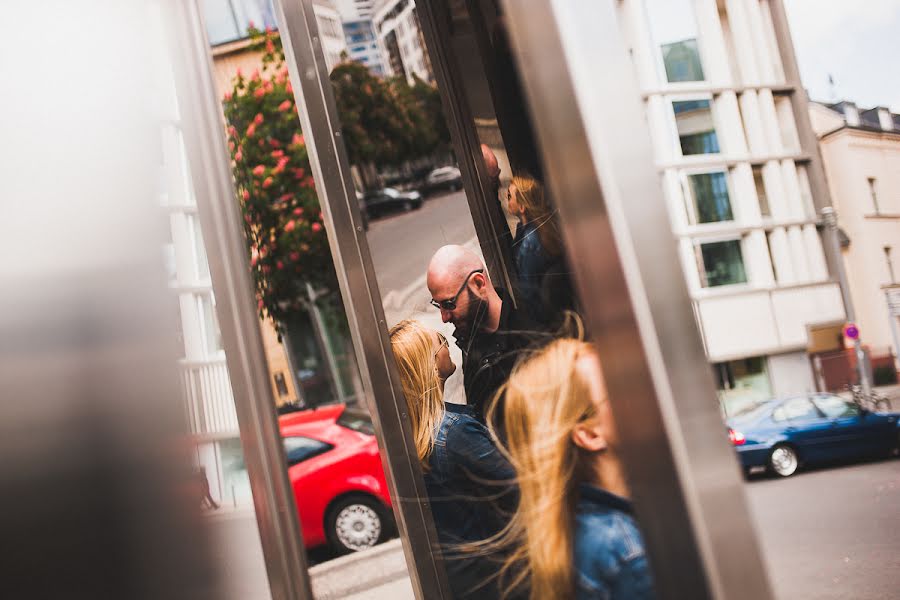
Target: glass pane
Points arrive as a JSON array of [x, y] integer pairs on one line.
[[298, 449], [800, 408], [674, 32], [696, 128], [835, 406], [710, 195], [723, 263]]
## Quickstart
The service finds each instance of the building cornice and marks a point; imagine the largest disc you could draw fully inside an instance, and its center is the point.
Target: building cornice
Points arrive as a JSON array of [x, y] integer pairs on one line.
[[869, 132]]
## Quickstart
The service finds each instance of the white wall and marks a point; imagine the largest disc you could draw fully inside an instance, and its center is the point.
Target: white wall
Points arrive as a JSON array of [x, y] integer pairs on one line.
[[790, 374]]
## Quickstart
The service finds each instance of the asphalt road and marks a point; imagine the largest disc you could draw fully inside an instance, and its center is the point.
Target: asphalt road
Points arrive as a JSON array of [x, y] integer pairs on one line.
[[831, 534], [402, 244]]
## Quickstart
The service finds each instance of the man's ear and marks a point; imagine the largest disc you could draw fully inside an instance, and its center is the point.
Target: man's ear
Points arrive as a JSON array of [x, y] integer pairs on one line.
[[479, 280], [589, 436]]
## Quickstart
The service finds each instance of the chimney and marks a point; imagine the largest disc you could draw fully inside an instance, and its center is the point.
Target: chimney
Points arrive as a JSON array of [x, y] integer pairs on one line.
[[885, 119], [851, 114]]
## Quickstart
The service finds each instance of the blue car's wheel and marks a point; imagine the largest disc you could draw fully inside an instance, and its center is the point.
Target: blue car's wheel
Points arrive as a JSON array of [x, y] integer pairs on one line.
[[783, 460]]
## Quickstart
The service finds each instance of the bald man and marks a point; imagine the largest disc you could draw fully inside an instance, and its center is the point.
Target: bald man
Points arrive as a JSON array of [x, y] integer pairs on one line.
[[490, 332]]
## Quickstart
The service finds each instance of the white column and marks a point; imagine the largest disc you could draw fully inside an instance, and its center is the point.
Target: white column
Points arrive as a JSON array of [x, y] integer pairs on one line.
[[756, 258], [758, 35], [787, 125], [809, 209], [773, 182], [798, 253], [689, 264], [781, 256], [818, 268], [743, 42], [665, 138], [770, 121], [792, 189], [641, 43], [753, 124], [712, 44], [190, 327], [729, 127], [743, 195], [771, 41], [675, 198]]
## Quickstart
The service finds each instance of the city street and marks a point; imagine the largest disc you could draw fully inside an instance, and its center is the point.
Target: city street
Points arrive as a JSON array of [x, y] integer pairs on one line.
[[831, 533]]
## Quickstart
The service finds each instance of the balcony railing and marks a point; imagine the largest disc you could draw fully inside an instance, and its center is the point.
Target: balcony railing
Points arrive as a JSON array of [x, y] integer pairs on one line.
[[209, 402]]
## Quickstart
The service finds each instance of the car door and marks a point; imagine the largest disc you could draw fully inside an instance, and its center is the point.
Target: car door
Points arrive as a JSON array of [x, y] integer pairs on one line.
[[853, 432], [806, 427]]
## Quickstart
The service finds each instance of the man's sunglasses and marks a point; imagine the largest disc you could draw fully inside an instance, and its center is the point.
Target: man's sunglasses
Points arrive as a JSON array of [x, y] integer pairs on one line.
[[451, 303]]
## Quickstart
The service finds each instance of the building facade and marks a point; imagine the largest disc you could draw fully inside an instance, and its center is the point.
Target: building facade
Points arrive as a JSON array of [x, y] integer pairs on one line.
[[861, 153], [400, 35], [721, 109], [359, 32]]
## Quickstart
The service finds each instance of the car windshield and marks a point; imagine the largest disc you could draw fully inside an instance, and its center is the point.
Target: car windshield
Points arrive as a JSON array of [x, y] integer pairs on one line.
[[357, 420], [751, 411]]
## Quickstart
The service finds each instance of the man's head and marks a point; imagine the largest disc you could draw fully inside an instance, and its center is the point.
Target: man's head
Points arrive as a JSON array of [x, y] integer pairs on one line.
[[459, 284], [491, 165]]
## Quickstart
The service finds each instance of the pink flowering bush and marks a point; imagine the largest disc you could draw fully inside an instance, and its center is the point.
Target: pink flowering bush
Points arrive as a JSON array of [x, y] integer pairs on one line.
[[286, 240]]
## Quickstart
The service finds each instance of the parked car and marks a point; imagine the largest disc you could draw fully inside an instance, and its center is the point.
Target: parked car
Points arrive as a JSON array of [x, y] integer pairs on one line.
[[782, 435], [443, 178], [390, 199], [338, 481]]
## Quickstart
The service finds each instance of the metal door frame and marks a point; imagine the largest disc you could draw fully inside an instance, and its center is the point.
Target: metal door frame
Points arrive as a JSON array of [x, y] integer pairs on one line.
[[596, 148]]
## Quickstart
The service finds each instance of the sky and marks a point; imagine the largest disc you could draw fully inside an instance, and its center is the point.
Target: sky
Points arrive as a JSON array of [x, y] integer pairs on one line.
[[857, 42]]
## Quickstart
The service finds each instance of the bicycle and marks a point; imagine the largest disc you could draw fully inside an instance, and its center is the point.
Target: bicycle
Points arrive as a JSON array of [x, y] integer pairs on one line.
[[873, 401]]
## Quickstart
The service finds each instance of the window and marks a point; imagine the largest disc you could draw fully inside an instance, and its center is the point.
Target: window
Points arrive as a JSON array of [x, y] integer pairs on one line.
[[799, 408], [835, 407], [228, 20], [281, 384], [720, 263], [212, 337], [696, 129], [298, 449], [709, 198], [743, 385], [674, 32], [874, 195], [357, 420], [761, 196]]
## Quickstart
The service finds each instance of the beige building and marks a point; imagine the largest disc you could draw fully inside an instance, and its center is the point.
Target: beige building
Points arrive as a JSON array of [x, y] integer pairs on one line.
[[861, 153]]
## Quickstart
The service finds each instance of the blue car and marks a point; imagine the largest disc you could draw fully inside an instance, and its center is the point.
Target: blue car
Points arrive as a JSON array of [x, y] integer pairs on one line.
[[781, 435]]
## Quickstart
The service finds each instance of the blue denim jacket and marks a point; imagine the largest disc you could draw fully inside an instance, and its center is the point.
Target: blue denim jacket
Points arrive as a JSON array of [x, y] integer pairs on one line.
[[470, 486], [532, 262], [610, 562]]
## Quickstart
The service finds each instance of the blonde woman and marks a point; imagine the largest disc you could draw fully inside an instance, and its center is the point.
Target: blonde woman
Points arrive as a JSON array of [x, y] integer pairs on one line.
[[562, 443], [469, 482], [537, 249]]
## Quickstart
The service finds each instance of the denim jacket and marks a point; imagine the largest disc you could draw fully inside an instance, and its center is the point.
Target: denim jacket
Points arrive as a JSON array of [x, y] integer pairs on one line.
[[610, 562], [470, 486]]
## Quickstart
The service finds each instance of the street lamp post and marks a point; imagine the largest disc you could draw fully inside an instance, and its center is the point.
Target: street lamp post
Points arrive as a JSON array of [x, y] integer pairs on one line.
[[829, 218]]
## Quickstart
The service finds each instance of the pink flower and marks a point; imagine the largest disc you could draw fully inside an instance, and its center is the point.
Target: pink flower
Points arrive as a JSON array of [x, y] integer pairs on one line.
[[277, 153], [297, 140], [259, 170], [254, 260], [288, 88], [239, 73], [228, 95], [231, 145], [267, 183], [317, 227], [255, 75], [258, 119], [245, 195], [270, 47], [294, 256], [261, 304], [274, 143], [259, 93], [238, 156], [282, 162], [251, 129], [285, 197], [250, 25], [299, 173], [286, 105], [279, 265], [269, 86], [232, 131], [289, 226], [298, 211]]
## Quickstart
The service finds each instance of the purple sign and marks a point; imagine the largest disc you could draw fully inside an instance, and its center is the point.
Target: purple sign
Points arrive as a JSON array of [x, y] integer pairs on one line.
[[851, 331]]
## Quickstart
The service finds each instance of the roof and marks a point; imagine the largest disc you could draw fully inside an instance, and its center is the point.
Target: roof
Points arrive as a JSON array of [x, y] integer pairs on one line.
[[866, 119]]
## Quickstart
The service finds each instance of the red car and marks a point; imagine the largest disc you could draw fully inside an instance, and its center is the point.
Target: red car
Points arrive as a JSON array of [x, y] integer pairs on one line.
[[335, 470]]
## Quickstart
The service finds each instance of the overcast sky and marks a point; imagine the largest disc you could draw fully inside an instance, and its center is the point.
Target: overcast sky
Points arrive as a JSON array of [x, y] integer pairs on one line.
[[856, 41]]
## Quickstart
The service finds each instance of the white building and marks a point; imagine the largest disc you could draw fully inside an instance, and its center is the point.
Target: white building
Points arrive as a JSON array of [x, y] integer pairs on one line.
[[861, 153], [737, 183], [400, 35], [359, 33]]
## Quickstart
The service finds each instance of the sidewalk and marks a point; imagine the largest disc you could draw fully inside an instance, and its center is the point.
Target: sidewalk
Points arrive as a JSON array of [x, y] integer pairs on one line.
[[376, 574]]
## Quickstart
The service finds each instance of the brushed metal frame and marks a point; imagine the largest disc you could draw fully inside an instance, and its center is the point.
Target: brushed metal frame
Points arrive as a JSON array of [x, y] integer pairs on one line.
[[207, 154], [359, 287], [595, 145]]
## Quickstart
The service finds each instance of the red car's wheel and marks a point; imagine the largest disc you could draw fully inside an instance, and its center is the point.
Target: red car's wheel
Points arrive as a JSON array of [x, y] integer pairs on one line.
[[356, 523]]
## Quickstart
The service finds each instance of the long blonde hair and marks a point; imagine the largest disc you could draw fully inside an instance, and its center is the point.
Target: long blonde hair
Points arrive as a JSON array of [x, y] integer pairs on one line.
[[530, 196], [413, 348], [545, 398]]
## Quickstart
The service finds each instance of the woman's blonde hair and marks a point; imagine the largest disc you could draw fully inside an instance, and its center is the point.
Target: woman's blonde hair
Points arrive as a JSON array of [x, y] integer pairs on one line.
[[413, 348], [545, 398], [530, 196]]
